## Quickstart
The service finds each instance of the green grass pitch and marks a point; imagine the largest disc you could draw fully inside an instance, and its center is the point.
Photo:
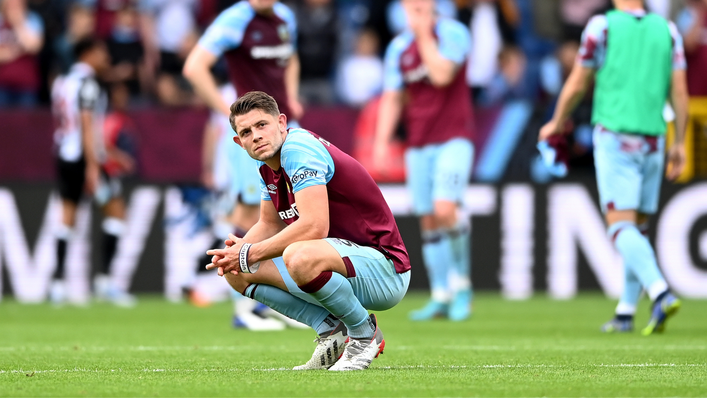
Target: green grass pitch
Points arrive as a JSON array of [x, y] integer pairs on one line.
[[538, 347]]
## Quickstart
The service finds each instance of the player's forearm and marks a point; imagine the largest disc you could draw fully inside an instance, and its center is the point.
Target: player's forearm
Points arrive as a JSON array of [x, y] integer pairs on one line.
[[89, 147], [292, 78], [680, 101], [204, 84], [440, 70], [389, 112], [208, 148], [570, 96], [298, 231]]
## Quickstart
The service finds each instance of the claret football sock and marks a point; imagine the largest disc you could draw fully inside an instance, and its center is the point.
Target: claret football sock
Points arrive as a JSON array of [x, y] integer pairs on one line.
[[334, 292], [283, 302]]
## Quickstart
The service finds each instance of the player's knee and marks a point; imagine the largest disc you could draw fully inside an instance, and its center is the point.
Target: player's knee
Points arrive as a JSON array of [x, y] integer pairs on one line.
[[300, 261], [237, 283]]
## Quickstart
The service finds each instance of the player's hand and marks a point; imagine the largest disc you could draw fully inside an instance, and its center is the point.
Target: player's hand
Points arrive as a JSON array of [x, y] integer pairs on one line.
[[550, 128], [676, 161], [296, 108], [226, 259], [93, 176]]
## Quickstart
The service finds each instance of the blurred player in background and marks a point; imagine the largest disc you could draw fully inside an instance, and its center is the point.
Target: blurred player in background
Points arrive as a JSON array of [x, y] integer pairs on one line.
[[79, 105], [637, 61], [326, 247], [257, 40], [424, 82], [233, 176]]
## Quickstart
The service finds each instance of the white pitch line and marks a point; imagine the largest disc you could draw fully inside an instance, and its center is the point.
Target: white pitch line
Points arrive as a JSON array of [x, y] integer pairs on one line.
[[159, 370], [286, 348]]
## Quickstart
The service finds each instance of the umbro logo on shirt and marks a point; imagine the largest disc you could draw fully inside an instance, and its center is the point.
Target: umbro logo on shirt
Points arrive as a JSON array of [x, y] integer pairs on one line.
[[272, 188]]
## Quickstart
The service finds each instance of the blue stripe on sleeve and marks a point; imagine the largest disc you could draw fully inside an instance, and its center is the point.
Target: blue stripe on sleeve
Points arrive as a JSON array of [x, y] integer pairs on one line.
[[393, 75], [286, 14], [226, 32], [454, 40], [306, 161]]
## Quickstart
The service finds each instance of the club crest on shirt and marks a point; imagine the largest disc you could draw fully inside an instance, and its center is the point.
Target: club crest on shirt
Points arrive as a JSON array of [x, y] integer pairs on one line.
[[283, 32], [256, 35]]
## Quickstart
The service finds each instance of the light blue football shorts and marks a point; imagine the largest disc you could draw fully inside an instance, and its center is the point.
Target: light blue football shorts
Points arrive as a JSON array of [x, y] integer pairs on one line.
[[375, 283], [629, 169], [235, 172], [438, 172]]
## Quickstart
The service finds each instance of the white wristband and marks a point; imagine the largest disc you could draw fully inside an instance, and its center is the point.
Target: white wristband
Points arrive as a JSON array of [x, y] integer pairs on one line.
[[243, 260]]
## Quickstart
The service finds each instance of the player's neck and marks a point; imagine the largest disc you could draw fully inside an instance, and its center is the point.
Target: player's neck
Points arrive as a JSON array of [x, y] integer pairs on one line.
[[266, 12], [274, 162], [629, 5]]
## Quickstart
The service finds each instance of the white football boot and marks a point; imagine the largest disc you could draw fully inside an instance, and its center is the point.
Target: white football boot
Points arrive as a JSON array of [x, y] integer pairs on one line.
[[329, 349], [359, 353]]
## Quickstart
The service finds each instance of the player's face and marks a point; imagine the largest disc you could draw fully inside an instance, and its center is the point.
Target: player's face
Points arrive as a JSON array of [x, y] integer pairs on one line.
[[260, 134], [262, 5], [418, 6]]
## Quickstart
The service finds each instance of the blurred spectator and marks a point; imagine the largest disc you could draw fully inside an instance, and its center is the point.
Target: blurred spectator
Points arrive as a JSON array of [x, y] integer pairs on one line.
[[317, 36], [511, 81], [21, 38], [361, 74], [378, 21], [692, 23], [397, 21], [492, 24], [125, 47], [169, 33], [80, 25], [574, 15], [106, 13]]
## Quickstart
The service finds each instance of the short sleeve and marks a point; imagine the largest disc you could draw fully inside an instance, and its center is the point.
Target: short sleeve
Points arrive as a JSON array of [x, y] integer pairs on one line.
[[685, 19], [593, 45], [306, 161], [286, 14], [34, 22], [679, 60], [88, 94], [454, 40], [227, 30], [392, 74], [264, 193]]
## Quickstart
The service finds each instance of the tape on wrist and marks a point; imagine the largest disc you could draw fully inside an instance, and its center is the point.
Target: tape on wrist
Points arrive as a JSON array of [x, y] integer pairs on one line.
[[243, 260]]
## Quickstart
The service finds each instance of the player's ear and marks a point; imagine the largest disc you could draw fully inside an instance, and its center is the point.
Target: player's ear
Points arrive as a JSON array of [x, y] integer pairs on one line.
[[237, 140], [282, 121]]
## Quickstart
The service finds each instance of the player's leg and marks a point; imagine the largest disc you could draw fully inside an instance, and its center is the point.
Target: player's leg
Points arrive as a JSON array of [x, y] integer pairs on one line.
[[107, 286], [626, 309], [271, 286], [377, 286], [436, 247], [452, 173], [71, 177], [665, 304]]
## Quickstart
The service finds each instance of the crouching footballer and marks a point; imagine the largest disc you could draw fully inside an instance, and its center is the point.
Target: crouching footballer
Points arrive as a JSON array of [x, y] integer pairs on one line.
[[326, 247]]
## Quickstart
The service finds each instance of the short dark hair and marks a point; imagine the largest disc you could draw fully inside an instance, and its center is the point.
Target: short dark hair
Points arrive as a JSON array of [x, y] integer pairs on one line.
[[250, 101], [86, 45]]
